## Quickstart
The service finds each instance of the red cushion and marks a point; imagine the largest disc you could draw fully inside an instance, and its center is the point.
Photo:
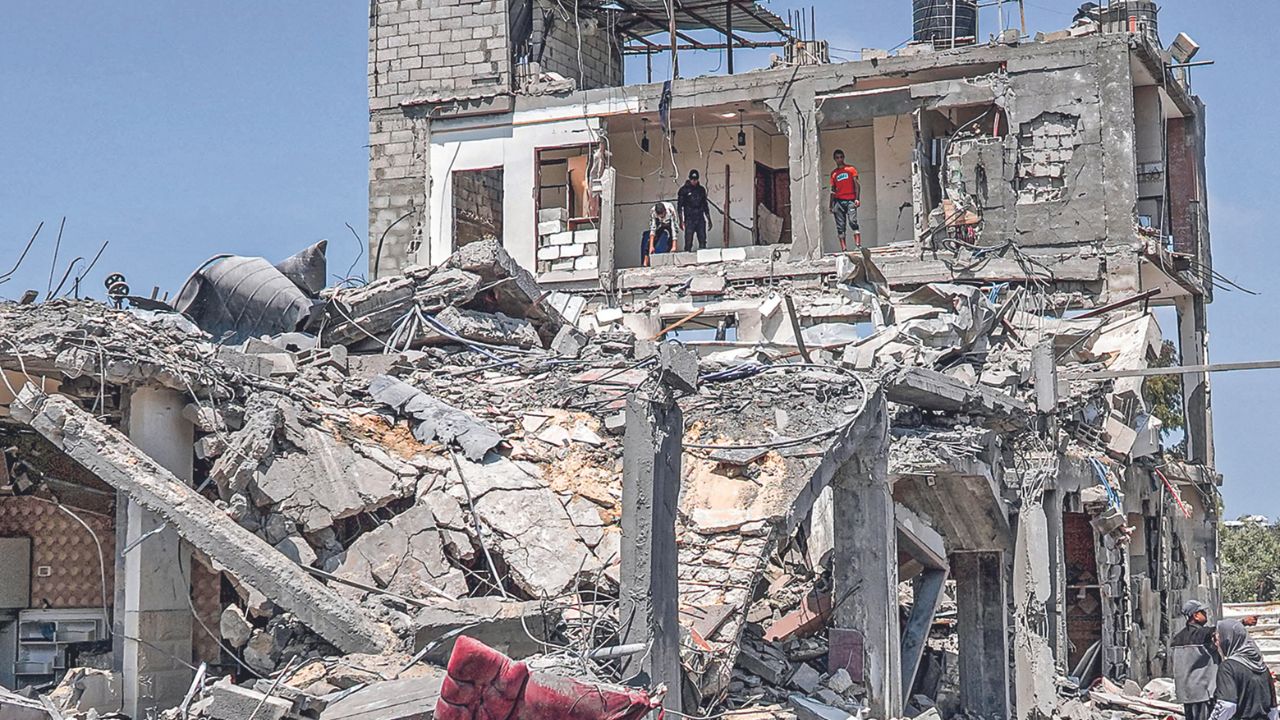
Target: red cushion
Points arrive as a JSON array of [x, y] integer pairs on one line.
[[484, 684]]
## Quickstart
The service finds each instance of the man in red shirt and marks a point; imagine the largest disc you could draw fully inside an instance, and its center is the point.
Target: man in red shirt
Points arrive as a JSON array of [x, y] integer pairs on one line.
[[845, 200]]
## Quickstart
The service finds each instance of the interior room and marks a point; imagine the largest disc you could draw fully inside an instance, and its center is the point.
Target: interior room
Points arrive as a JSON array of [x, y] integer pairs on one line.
[[741, 156]]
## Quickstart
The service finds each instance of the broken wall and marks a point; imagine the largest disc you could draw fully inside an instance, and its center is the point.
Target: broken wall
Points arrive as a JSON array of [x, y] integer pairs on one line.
[[419, 50], [399, 177], [66, 572], [581, 48], [442, 48], [1064, 173], [515, 149], [1079, 187], [894, 150]]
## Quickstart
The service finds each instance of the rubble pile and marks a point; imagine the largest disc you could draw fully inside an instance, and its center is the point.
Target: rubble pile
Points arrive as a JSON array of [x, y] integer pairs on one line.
[[440, 454]]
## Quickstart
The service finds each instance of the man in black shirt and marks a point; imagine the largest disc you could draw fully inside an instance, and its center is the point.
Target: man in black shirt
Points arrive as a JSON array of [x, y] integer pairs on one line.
[[1195, 662], [1245, 689], [695, 211]]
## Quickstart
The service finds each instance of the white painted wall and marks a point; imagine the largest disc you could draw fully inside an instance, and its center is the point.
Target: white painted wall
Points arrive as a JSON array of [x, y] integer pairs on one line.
[[647, 178], [859, 150], [513, 147], [895, 141]]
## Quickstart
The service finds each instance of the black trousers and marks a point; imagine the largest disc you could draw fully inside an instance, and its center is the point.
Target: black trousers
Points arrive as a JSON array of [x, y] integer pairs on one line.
[[1198, 711], [695, 226]]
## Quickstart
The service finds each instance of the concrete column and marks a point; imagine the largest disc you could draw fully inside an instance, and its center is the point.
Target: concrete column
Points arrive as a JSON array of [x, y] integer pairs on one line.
[[983, 624], [1057, 609], [608, 231], [1193, 344], [797, 116], [865, 637], [1035, 693], [649, 610], [153, 622]]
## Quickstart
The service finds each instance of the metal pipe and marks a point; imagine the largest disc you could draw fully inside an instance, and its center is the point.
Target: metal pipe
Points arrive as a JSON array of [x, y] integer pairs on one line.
[[728, 31]]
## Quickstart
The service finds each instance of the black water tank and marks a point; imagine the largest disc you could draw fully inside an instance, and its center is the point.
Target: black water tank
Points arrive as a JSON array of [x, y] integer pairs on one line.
[[933, 20]]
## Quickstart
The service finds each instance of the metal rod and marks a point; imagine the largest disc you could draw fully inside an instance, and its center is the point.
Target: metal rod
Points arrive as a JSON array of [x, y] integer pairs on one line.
[[953, 24], [728, 33], [1178, 370], [795, 327], [1118, 304], [675, 50]]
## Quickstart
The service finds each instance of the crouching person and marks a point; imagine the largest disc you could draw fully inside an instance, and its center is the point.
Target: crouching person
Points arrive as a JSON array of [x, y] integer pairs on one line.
[[659, 237]]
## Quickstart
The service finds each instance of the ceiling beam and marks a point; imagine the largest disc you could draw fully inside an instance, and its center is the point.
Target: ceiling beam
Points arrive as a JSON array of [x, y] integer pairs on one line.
[[633, 50]]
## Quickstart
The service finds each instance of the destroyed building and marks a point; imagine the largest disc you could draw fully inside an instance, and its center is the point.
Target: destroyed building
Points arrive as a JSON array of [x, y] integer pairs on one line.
[[762, 479]]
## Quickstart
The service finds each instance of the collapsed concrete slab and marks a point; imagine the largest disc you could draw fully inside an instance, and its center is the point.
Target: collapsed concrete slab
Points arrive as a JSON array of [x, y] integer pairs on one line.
[[513, 290], [405, 556], [111, 456], [324, 479]]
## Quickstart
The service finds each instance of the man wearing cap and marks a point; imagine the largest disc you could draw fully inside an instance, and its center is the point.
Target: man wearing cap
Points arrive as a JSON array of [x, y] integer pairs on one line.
[[1195, 662], [695, 211]]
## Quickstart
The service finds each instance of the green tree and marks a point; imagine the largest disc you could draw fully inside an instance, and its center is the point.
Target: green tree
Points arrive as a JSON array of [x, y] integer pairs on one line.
[[1250, 560], [1164, 392]]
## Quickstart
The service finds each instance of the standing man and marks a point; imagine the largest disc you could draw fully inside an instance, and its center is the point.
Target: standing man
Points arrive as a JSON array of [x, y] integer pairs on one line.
[[846, 195], [695, 211], [1195, 662]]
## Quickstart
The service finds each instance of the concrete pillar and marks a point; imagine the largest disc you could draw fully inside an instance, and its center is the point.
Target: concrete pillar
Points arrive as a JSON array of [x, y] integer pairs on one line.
[[797, 115], [865, 637], [1057, 609], [1193, 343], [983, 624], [1035, 693], [608, 260], [649, 603], [153, 620]]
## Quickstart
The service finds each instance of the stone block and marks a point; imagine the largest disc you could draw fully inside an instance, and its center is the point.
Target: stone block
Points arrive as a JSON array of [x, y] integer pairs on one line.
[[710, 255], [562, 238], [230, 702], [589, 262], [735, 254], [553, 214], [569, 342], [550, 252], [550, 227]]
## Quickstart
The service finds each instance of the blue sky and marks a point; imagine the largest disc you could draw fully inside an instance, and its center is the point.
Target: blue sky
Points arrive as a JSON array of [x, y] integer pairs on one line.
[[177, 131]]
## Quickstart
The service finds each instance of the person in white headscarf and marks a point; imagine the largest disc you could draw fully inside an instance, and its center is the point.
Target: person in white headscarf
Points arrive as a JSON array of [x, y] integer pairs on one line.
[[1245, 689]]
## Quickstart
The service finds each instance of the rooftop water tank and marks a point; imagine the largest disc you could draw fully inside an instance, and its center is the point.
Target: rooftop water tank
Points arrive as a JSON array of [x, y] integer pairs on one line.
[[1136, 16], [939, 21]]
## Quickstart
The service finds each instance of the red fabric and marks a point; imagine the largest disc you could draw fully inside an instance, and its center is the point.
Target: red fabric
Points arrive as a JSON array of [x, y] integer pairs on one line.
[[844, 182], [484, 684]]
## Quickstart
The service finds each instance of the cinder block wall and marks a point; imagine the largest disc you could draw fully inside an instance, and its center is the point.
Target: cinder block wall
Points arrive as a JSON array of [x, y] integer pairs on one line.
[[601, 56], [421, 50], [477, 205], [437, 48]]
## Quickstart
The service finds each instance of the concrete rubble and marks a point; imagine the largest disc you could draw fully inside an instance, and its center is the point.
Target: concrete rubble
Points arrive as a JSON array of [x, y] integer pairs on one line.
[[455, 494], [921, 480]]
